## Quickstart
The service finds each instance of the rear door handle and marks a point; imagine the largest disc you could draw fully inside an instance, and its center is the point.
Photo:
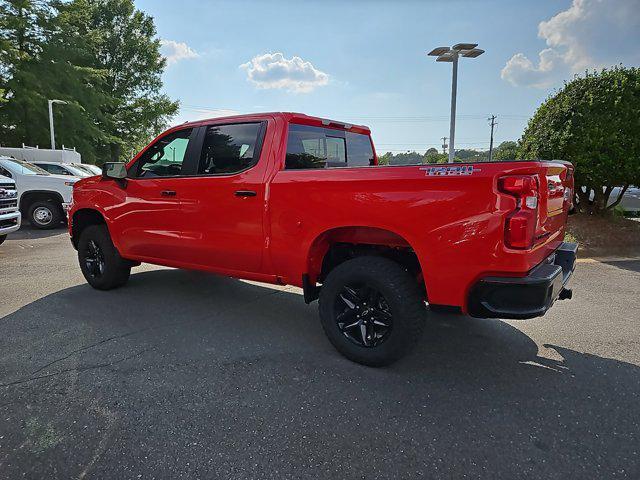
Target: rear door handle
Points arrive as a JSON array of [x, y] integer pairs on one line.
[[245, 193], [168, 193]]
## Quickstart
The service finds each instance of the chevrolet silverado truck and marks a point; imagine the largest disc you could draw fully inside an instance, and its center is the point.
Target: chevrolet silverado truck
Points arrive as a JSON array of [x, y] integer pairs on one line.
[[285, 198], [43, 198], [9, 213]]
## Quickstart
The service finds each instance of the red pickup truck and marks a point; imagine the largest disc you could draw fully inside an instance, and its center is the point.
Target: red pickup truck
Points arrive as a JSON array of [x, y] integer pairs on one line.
[[286, 198]]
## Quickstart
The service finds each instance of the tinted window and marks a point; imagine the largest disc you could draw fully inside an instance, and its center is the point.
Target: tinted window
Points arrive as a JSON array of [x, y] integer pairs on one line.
[[230, 148], [55, 169], [165, 157], [359, 150], [316, 147]]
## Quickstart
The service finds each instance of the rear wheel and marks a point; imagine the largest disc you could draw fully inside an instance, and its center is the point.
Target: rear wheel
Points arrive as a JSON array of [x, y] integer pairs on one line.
[[100, 262], [372, 310], [45, 214]]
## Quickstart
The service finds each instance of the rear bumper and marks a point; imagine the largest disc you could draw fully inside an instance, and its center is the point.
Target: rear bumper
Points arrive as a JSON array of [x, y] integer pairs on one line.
[[529, 296], [9, 222]]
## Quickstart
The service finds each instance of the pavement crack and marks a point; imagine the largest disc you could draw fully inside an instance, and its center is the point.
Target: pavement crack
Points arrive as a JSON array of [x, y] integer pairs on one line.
[[88, 347], [76, 369]]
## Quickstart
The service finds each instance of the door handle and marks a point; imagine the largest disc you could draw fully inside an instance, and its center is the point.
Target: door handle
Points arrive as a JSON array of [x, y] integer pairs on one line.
[[245, 193], [168, 193]]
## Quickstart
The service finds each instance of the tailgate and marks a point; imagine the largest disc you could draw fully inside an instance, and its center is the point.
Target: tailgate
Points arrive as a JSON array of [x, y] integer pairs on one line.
[[556, 197]]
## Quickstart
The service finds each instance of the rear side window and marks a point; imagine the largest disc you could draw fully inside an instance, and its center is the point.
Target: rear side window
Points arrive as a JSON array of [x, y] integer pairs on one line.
[[317, 147], [230, 148]]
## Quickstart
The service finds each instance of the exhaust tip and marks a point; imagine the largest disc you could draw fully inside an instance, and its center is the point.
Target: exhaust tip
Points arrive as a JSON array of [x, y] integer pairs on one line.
[[566, 294]]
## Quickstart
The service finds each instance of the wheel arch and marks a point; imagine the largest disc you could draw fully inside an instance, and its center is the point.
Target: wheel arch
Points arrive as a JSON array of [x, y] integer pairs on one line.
[[82, 219], [337, 245], [27, 198]]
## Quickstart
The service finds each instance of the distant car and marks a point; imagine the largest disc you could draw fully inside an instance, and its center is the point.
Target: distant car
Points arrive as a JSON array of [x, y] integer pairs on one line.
[[70, 169], [89, 168], [43, 198], [9, 213]]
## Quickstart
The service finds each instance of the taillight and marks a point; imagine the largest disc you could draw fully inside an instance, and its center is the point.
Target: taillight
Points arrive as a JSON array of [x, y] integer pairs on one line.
[[520, 227]]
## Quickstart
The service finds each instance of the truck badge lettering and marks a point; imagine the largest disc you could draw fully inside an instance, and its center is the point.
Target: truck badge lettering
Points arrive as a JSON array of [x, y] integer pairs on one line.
[[447, 171]]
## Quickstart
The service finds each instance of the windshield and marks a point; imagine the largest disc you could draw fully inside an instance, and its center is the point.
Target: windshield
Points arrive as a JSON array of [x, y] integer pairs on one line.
[[78, 171], [21, 167], [90, 169]]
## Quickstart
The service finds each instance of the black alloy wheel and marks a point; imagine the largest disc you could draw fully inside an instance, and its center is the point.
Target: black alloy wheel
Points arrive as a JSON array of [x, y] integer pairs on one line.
[[363, 315], [94, 260]]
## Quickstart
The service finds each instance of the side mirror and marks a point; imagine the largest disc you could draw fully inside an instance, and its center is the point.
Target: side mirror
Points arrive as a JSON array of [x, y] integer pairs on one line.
[[115, 170]]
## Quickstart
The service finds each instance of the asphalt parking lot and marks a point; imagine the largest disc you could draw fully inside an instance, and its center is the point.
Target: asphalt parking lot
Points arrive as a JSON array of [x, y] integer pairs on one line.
[[187, 375]]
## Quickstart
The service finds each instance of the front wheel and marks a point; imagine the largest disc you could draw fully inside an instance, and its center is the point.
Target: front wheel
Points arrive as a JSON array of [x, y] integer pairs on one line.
[[100, 262], [45, 214], [372, 310]]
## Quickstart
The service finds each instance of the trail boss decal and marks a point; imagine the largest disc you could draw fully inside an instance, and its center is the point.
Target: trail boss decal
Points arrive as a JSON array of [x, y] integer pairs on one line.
[[452, 170]]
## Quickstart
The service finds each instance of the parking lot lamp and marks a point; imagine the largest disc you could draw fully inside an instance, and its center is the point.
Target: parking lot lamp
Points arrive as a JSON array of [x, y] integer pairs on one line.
[[446, 54]]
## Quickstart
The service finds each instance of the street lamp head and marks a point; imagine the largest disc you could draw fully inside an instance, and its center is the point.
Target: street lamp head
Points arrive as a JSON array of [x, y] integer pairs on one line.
[[447, 57], [464, 46], [473, 53], [436, 52], [58, 101]]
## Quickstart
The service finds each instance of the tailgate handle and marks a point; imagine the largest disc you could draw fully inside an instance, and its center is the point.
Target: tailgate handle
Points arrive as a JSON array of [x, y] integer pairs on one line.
[[168, 193], [245, 193]]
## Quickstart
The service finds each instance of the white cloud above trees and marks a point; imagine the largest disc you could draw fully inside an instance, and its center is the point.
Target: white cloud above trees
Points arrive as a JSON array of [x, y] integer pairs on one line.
[[176, 51]]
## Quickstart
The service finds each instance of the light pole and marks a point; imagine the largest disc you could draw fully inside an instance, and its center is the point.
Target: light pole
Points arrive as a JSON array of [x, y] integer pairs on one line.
[[53, 135], [446, 54]]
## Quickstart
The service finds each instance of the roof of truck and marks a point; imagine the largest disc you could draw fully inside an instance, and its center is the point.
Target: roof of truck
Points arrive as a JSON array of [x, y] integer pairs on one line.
[[293, 117]]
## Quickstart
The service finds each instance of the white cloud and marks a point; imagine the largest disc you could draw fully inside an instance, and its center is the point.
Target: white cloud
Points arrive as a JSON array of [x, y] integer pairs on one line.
[[273, 70], [589, 34], [175, 51]]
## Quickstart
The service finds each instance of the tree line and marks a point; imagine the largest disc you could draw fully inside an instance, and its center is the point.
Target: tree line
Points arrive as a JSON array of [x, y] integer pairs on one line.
[[505, 151], [100, 56]]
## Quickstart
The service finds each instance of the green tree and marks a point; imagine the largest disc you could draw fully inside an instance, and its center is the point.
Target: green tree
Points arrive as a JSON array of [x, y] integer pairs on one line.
[[593, 122], [101, 56], [128, 50], [506, 151]]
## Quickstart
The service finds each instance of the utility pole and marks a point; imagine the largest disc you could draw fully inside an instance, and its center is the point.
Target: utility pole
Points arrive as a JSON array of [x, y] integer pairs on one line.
[[492, 119], [444, 145]]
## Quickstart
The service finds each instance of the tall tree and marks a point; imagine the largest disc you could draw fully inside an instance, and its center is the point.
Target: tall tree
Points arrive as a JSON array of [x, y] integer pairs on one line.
[[101, 56], [23, 26], [593, 122], [128, 50]]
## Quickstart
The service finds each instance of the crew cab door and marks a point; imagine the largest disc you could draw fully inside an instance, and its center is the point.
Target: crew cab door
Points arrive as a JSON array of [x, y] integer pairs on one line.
[[149, 221], [223, 203]]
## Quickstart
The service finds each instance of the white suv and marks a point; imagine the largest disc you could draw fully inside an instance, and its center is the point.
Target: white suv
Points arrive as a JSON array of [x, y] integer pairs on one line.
[[9, 213], [42, 198]]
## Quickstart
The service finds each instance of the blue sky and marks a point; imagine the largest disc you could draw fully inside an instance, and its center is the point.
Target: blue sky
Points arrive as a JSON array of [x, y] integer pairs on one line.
[[364, 62]]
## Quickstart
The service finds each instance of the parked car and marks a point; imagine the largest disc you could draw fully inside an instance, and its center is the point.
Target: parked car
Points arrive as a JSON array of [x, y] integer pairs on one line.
[[89, 168], [286, 198], [68, 169], [9, 213], [42, 198]]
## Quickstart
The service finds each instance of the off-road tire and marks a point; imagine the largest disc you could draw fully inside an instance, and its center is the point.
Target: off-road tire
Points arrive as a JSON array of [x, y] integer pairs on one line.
[[404, 299], [115, 271]]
